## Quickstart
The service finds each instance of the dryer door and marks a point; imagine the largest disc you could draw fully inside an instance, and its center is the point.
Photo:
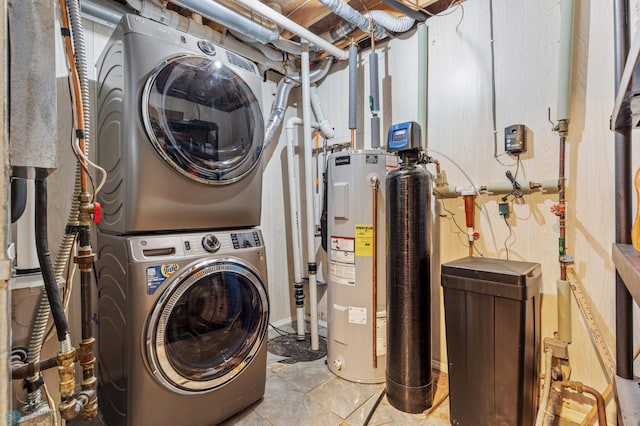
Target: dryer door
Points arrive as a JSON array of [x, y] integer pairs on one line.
[[207, 326], [203, 119]]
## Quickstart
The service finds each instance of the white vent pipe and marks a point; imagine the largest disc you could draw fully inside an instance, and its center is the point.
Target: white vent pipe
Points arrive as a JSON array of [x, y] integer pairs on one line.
[[296, 229], [288, 24], [308, 169]]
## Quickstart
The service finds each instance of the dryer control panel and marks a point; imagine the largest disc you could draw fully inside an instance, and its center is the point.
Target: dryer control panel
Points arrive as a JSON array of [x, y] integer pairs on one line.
[[245, 240]]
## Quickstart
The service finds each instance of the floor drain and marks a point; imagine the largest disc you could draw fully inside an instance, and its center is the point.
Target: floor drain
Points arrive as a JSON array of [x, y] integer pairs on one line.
[[296, 350]]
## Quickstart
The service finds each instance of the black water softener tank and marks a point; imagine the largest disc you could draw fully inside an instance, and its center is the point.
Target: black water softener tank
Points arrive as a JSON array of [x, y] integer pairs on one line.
[[492, 315], [408, 190]]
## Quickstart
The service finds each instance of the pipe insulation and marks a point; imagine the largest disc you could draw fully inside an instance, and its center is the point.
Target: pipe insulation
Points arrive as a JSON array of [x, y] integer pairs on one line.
[[353, 86], [308, 171], [374, 99], [231, 19], [567, 11], [564, 310]]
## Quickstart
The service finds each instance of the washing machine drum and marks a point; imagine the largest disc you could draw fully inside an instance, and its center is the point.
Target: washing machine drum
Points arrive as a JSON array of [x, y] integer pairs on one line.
[[207, 326], [203, 119]]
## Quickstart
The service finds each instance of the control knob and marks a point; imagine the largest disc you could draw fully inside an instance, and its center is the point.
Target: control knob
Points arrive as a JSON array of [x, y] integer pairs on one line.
[[211, 243]]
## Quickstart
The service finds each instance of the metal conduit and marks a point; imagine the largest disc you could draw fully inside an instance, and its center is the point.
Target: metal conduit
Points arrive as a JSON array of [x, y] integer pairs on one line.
[[624, 302]]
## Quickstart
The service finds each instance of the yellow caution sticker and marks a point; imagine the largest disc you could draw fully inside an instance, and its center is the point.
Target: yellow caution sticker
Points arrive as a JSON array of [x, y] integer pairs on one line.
[[364, 240]]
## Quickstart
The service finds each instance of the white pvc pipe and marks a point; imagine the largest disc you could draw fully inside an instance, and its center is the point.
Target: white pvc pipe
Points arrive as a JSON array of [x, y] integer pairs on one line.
[[544, 399], [308, 173], [27, 256], [323, 124], [295, 209], [294, 27]]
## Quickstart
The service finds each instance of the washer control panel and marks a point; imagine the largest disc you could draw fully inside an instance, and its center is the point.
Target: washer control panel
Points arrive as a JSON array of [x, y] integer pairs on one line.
[[211, 243], [243, 240]]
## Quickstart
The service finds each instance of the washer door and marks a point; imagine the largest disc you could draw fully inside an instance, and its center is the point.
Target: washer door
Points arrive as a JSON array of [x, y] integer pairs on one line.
[[207, 326], [203, 119]]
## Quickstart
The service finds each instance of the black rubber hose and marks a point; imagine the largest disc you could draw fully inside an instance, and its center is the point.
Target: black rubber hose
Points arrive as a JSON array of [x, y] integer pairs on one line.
[[44, 257], [85, 288], [415, 14], [18, 198]]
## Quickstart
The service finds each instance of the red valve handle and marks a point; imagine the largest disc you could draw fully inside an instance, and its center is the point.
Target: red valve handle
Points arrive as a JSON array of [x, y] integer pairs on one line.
[[97, 213]]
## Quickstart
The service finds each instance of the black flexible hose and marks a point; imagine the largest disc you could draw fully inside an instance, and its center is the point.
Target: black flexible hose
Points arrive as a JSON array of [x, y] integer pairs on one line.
[[44, 257]]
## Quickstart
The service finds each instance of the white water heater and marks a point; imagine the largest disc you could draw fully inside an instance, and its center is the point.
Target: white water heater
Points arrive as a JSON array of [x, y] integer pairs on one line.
[[356, 325]]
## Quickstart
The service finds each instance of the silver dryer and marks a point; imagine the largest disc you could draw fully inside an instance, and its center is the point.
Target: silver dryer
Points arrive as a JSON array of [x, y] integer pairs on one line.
[[180, 132], [183, 326]]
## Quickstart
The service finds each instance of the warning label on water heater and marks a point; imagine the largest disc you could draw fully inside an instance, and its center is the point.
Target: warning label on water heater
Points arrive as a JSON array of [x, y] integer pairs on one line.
[[364, 240], [342, 269]]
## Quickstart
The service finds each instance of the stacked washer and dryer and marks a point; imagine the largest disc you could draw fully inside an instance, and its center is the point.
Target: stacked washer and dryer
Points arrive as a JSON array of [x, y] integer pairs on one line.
[[183, 302]]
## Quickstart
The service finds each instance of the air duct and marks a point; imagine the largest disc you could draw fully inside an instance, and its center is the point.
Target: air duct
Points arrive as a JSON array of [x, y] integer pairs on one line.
[[349, 14], [282, 96], [150, 10], [390, 22], [294, 27], [230, 18], [106, 12]]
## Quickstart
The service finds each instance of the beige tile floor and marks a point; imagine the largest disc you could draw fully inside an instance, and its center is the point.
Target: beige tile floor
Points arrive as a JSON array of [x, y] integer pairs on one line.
[[307, 393]]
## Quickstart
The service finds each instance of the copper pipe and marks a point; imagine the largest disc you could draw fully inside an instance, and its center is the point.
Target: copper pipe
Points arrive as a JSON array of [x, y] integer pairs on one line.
[[353, 138], [561, 202], [580, 388], [374, 267], [31, 369], [75, 81]]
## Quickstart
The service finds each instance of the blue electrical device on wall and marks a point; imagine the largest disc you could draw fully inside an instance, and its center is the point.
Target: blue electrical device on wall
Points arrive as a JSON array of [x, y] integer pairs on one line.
[[404, 136]]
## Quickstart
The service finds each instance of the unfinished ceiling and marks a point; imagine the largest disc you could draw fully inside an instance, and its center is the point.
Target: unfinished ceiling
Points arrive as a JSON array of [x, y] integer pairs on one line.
[[317, 18]]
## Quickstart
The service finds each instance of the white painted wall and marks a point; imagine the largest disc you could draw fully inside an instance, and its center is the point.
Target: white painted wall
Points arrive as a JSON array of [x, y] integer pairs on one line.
[[526, 58]]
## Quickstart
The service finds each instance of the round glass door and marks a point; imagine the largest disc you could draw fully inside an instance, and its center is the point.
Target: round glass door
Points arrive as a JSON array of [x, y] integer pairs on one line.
[[207, 326], [203, 119]]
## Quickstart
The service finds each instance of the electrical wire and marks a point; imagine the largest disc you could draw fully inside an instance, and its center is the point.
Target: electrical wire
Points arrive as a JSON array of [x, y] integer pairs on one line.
[[453, 218], [477, 190], [280, 331], [375, 405], [509, 236]]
